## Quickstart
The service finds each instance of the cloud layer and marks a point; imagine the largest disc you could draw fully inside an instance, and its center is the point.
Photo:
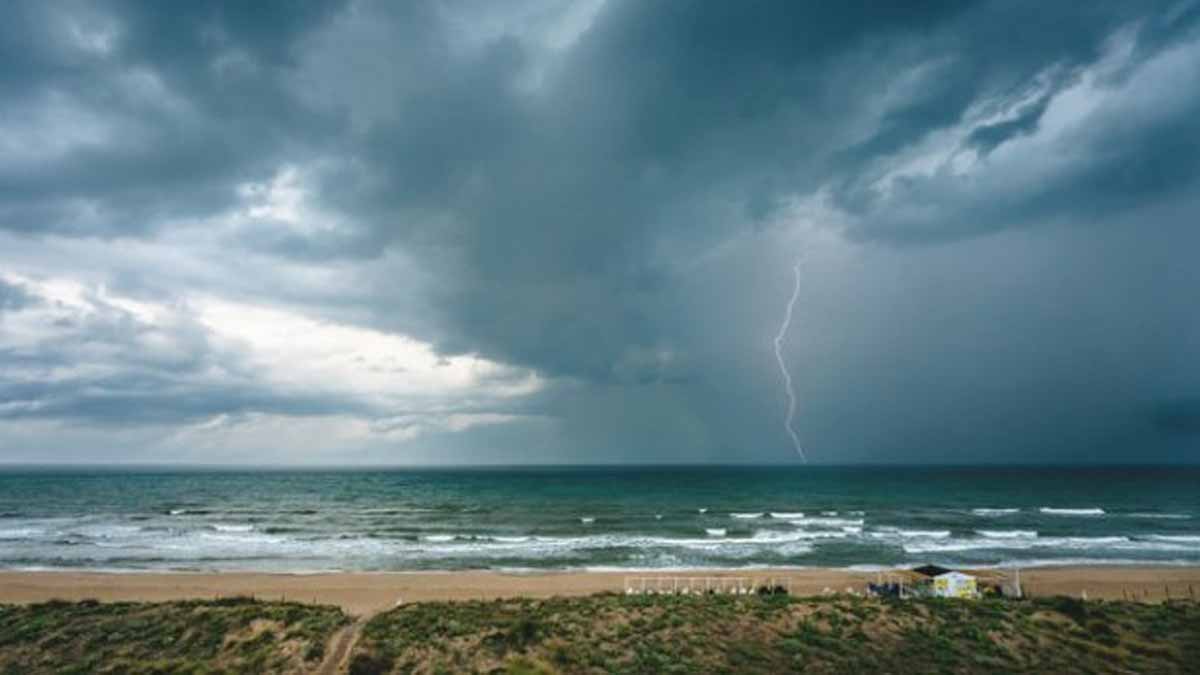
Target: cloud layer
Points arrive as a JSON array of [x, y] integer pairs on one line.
[[563, 231]]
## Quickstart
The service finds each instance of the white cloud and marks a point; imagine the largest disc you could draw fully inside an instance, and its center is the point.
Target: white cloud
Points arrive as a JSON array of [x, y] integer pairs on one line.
[[295, 351], [390, 388]]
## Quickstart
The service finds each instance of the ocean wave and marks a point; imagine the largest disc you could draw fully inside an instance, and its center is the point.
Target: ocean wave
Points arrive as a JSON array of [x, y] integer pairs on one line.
[[785, 515], [886, 531], [1090, 562], [1163, 516], [224, 527], [827, 522], [532, 547], [1051, 511], [109, 531], [1008, 534], [823, 534], [1109, 543], [229, 538], [1174, 538], [18, 533], [746, 516], [586, 520], [994, 512], [284, 529], [248, 550]]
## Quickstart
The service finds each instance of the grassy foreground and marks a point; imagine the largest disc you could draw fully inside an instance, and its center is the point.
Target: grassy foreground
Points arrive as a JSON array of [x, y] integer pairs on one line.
[[237, 635], [773, 634]]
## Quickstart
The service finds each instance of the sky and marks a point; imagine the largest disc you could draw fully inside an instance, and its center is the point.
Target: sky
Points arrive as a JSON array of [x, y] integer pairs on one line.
[[549, 231]]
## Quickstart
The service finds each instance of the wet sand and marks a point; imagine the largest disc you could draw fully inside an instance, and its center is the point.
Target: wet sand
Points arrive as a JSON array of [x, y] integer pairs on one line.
[[361, 593]]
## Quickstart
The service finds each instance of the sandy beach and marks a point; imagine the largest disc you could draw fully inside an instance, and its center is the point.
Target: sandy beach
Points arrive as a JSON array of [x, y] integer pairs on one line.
[[364, 593]]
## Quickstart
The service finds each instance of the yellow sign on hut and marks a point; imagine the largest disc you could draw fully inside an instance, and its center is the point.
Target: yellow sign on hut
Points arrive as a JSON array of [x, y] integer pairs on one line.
[[954, 585]]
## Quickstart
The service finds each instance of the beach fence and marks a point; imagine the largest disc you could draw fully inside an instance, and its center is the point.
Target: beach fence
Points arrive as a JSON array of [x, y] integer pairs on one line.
[[671, 585]]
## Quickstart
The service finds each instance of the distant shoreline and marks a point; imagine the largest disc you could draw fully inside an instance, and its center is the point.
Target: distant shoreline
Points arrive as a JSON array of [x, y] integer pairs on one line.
[[366, 592]]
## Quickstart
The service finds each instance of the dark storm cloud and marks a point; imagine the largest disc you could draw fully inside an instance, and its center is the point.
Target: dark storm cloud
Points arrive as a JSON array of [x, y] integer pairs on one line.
[[177, 104], [557, 217], [605, 203], [153, 398], [987, 136]]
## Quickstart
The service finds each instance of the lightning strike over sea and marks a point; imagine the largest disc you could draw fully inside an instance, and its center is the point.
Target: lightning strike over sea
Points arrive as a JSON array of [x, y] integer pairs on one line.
[[783, 369]]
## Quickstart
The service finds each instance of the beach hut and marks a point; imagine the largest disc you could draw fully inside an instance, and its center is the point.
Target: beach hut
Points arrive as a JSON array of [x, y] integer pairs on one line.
[[954, 585]]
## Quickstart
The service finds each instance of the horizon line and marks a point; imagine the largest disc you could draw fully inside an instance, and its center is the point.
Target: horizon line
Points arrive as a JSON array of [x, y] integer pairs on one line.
[[200, 466]]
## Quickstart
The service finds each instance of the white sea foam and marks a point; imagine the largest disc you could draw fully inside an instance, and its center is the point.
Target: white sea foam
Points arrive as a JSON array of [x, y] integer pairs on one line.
[[587, 520], [1175, 538], [704, 510], [891, 532], [1017, 543], [21, 533], [745, 516], [1008, 534], [785, 515], [827, 522], [1163, 516], [1050, 511], [222, 527], [715, 531], [235, 540], [438, 537], [108, 530], [994, 512], [1090, 562], [822, 534], [830, 514]]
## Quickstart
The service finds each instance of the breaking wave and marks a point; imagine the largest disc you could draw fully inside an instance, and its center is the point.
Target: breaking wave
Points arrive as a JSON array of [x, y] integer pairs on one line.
[[994, 512], [1050, 511]]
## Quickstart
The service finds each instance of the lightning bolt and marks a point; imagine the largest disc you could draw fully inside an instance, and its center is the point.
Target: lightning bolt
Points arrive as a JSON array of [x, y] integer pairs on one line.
[[787, 376]]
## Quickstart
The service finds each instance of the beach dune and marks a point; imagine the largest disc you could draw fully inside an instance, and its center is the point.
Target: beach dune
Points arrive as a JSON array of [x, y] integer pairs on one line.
[[364, 592]]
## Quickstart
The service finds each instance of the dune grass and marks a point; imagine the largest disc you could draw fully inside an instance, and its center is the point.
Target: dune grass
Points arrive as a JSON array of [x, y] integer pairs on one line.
[[772, 634], [610, 633], [236, 635]]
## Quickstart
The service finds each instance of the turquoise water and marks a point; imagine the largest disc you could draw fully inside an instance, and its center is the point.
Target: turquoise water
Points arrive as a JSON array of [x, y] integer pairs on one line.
[[593, 518]]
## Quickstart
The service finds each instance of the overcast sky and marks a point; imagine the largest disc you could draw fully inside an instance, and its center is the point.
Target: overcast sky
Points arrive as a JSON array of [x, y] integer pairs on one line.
[[548, 231]]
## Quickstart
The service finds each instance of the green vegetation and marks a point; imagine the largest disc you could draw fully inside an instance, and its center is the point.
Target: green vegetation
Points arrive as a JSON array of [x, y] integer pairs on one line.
[[610, 633], [236, 635], [772, 634]]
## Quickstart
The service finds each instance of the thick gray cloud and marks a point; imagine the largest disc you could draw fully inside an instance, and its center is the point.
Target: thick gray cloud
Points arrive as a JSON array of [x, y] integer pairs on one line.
[[994, 202], [13, 296]]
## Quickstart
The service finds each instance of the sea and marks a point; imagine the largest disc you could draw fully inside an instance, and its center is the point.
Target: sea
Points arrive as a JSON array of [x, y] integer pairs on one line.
[[595, 518]]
